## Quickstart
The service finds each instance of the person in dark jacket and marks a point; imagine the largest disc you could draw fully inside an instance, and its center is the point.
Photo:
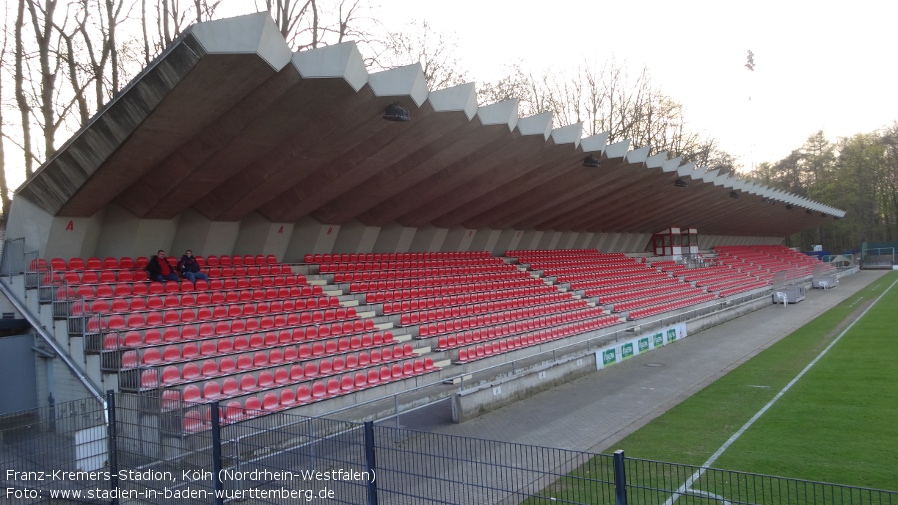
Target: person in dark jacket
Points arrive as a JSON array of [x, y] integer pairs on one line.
[[159, 269], [190, 269]]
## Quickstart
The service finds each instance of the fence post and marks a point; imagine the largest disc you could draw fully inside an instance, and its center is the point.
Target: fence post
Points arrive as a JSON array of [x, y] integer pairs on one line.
[[112, 445], [370, 464], [216, 453], [620, 478]]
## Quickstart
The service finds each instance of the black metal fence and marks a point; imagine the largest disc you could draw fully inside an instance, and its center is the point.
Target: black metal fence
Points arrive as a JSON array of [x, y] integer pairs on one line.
[[69, 453]]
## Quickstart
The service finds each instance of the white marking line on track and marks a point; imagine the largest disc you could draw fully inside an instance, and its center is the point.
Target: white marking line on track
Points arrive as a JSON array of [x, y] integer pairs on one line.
[[686, 487]]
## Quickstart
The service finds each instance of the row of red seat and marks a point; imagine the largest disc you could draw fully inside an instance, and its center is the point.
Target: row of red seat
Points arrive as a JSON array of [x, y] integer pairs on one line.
[[127, 262], [77, 277], [656, 299], [292, 344], [668, 306], [511, 321], [195, 421], [546, 301], [207, 316], [480, 351], [408, 305], [265, 300], [520, 329], [544, 264], [560, 253], [626, 286], [450, 272], [209, 345], [633, 294], [727, 284], [106, 290], [601, 270], [205, 333], [345, 257], [363, 286], [725, 277], [261, 372], [741, 288], [474, 289], [701, 273], [585, 281], [326, 268]]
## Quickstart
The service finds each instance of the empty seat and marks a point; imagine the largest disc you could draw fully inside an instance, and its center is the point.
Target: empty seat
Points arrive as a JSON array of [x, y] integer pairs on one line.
[[252, 406], [319, 390], [303, 394], [270, 401], [191, 371], [192, 394], [288, 397], [192, 422], [248, 383], [212, 391]]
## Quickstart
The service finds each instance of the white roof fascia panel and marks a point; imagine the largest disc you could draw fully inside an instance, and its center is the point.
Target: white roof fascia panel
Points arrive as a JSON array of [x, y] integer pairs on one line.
[[337, 61], [401, 81], [504, 112], [617, 150], [569, 134], [671, 165], [250, 34], [686, 169], [457, 98], [656, 160], [595, 143], [721, 180], [540, 124], [638, 156], [710, 175], [699, 174]]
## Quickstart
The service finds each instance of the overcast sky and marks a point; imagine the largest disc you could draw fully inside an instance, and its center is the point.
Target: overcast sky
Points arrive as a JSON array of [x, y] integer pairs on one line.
[[819, 65]]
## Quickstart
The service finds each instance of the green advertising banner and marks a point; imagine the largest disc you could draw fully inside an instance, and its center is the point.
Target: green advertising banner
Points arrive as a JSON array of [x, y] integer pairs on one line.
[[644, 345], [625, 350]]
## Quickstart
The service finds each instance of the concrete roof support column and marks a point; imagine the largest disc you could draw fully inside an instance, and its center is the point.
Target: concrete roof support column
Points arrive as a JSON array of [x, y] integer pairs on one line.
[[203, 236], [260, 236], [394, 238], [530, 240], [459, 239], [567, 240], [584, 240], [549, 240], [485, 240], [508, 241], [310, 237], [356, 237], [429, 239]]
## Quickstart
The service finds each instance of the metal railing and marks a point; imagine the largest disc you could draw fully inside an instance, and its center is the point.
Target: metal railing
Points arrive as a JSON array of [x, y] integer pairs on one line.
[[143, 454]]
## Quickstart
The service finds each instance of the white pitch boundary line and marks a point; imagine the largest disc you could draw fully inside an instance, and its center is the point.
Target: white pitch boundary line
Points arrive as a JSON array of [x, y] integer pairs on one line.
[[686, 487]]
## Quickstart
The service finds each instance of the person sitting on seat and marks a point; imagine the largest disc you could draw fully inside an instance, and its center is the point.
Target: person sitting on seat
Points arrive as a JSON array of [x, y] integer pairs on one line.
[[190, 268], [160, 270]]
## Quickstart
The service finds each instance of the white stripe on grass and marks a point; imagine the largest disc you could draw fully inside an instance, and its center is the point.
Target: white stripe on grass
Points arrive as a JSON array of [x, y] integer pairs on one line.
[[686, 488]]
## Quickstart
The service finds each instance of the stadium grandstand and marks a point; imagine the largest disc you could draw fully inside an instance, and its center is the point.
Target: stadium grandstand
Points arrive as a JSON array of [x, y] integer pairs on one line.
[[363, 236]]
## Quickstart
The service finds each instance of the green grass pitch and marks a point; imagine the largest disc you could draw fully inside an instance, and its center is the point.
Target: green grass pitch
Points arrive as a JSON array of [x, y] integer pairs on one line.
[[838, 423]]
